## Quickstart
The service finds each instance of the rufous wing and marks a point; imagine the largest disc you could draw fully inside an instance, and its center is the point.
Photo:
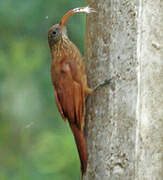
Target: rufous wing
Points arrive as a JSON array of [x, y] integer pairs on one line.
[[59, 106], [71, 102], [70, 96]]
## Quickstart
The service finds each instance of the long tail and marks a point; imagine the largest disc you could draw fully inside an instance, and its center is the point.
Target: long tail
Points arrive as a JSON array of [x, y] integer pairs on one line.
[[81, 146]]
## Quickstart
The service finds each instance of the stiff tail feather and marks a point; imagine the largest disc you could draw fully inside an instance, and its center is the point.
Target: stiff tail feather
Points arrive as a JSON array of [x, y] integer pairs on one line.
[[81, 146]]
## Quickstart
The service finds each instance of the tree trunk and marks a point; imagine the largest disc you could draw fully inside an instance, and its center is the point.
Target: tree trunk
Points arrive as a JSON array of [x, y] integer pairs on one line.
[[125, 119]]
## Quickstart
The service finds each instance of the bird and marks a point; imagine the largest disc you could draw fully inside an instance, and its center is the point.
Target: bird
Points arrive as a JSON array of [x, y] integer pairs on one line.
[[69, 80]]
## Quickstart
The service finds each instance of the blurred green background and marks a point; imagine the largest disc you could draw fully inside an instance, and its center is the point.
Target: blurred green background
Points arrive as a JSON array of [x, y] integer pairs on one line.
[[35, 143]]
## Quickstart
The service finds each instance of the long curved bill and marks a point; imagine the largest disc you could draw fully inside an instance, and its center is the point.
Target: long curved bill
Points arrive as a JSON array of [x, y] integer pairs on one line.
[[70, 13]]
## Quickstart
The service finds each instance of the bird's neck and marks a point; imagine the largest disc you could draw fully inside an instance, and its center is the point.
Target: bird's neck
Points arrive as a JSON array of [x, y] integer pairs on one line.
[[63, 48]]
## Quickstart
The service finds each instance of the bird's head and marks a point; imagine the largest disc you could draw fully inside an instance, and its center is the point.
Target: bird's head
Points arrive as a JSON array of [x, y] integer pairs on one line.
[[55, 34], [57, 31]]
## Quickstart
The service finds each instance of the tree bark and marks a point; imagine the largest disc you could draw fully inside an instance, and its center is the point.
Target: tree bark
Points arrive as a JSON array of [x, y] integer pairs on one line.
[[124, 40]]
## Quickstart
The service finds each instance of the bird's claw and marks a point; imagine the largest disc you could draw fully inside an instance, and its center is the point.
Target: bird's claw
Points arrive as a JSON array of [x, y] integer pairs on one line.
[[103, 83]]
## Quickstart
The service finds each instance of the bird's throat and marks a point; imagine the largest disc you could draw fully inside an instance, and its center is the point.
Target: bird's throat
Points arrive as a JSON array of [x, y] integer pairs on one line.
[[61, 48]]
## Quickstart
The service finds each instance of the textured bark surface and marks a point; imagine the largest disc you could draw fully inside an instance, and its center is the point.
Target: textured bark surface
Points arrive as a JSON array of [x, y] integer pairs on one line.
[[124, 120], [149, 150]]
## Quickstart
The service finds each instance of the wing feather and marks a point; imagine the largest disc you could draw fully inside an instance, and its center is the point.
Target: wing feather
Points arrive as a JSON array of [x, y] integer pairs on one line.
[[59, 105], [70, 95]]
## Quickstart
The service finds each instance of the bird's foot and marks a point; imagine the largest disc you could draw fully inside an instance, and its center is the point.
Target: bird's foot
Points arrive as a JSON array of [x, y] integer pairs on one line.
[[103, 83]]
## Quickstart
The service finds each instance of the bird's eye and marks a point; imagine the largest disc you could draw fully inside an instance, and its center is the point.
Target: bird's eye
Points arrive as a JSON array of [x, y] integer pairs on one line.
[[54, 32]]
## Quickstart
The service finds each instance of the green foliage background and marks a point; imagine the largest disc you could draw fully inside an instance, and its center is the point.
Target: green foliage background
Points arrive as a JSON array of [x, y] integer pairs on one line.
[[35, 143]]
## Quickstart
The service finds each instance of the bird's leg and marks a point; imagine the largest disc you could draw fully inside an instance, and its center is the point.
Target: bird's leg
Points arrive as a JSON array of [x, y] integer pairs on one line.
[[103, 83]]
